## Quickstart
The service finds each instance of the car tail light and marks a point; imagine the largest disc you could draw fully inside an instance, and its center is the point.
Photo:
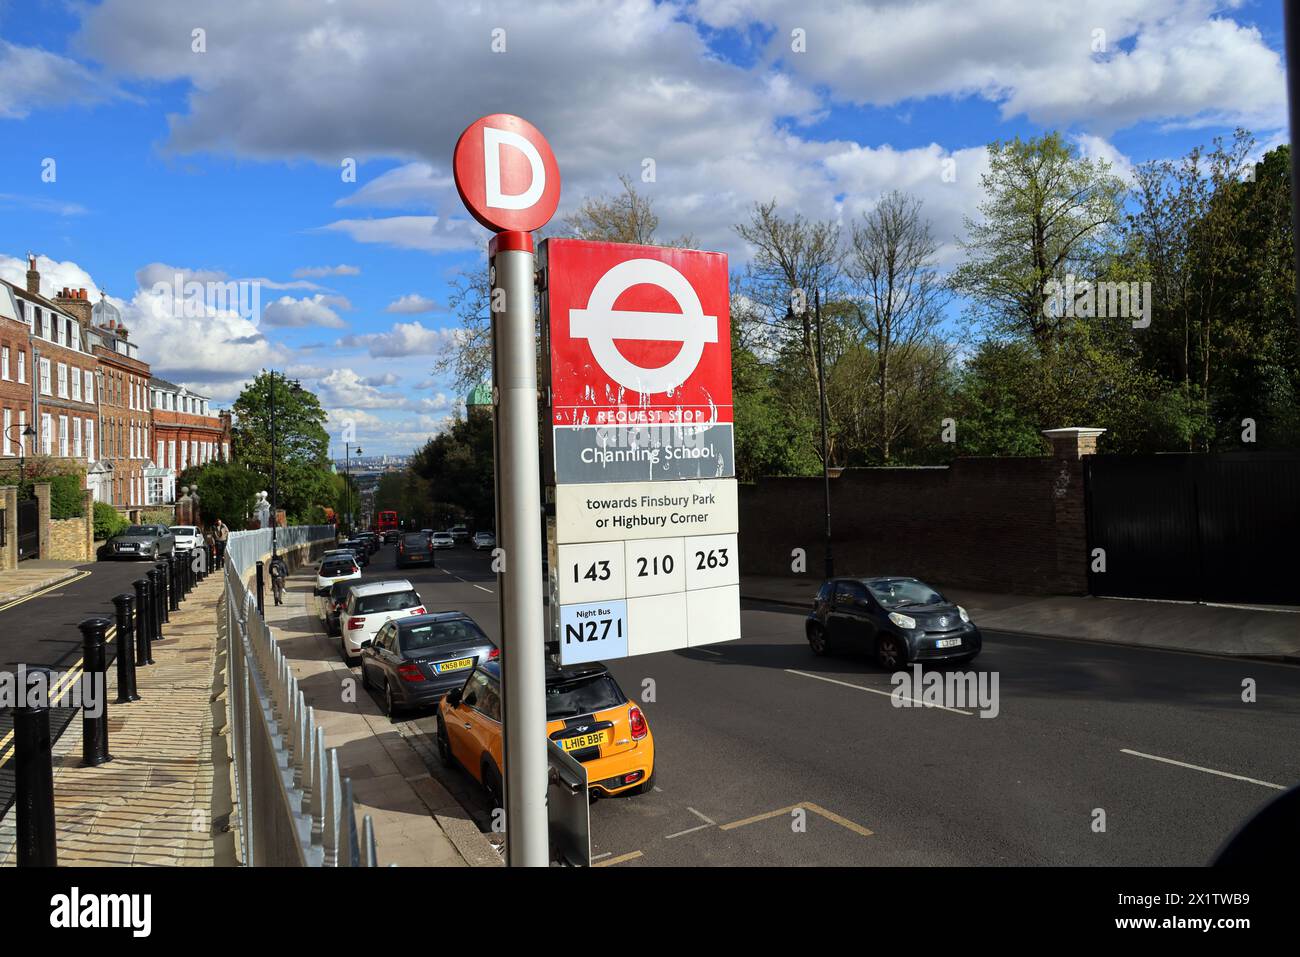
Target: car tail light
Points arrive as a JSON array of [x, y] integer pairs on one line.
[[410, 672], [418, 611], [639, 728], [494, 654], [354, 623], [631, 777]]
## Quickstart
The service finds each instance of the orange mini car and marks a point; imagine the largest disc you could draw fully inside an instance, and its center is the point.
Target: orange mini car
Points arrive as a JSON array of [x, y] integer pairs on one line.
[[588, 715]]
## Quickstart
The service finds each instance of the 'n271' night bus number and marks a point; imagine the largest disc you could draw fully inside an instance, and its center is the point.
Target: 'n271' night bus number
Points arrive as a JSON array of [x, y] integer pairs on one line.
[[592, 630]]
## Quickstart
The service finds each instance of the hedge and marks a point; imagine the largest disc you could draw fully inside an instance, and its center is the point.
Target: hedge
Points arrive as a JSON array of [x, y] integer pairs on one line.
[[67, 496], [108, 521]]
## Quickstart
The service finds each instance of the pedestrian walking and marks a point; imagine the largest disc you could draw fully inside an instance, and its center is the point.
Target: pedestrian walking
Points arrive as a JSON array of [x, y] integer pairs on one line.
[[220, 535], [279, 572]]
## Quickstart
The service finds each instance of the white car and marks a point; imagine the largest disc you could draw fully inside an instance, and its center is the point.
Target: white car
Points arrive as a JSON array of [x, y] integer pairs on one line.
[[484, 540], [187, 537], [370, 607], [335, 567], [442, 540]]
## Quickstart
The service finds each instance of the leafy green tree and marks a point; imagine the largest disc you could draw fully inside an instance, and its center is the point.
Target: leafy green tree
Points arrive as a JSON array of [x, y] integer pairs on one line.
[[458, 467], [303, 473], [1048, 213], [226, 490]]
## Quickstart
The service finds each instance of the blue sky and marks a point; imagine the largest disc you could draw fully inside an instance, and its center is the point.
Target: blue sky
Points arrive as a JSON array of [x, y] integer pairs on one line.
[[226, 162]]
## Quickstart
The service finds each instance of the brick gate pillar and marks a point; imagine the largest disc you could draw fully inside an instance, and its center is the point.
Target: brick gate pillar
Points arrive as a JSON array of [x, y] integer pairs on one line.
[[42, 490], [1069, 446], [9, 554]]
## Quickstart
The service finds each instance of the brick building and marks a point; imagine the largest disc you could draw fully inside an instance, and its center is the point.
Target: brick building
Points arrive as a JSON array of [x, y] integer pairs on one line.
[[187, 431], [47, 373], [124, 407]]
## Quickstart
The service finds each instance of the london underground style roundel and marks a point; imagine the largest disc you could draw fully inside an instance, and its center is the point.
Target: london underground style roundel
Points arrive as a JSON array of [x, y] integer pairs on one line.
[[506, 173], [638, 335]]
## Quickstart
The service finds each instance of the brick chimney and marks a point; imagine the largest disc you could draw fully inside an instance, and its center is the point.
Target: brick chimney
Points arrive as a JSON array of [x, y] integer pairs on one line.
[[76, 303], [1073, 443], [33, 277]]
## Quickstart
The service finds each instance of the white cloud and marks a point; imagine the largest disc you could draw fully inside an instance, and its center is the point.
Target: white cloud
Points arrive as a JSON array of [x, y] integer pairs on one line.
[[318, 272], [409, 185], [317, 310], [31, 78], [412, 303], [427, 233], [403, 339]]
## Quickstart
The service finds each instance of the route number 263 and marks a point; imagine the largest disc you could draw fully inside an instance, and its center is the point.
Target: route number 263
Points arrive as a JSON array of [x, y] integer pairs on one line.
[[713, 558]]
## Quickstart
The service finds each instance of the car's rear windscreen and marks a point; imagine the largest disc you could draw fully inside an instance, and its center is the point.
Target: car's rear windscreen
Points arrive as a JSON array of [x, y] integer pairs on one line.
[[415, 541], [419, 639], [388, 601], [330, 569], [582, 696]]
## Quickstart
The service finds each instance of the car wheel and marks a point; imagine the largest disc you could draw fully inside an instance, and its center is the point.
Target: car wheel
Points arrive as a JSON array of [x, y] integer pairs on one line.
[[891, 652], [444, 745], [818, 641], [390, 704], [347, 655], [646, 786], [365, 677]]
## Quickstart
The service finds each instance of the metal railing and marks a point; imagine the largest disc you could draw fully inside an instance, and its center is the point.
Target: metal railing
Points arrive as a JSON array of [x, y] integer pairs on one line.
[[294, 807]]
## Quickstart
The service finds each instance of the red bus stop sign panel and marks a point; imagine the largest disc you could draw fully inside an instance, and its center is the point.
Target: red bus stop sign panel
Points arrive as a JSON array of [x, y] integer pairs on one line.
[[506, 174], [637, 334]]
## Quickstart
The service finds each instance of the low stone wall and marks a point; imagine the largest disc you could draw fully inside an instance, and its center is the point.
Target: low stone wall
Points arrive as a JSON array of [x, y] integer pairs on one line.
[[68, 540]]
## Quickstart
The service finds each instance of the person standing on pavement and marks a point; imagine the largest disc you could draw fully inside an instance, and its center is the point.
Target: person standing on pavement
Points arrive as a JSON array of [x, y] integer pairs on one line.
[[220, 534]]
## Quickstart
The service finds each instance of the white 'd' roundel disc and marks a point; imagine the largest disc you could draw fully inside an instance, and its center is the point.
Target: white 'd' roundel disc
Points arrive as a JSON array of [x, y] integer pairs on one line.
[[600, 324]]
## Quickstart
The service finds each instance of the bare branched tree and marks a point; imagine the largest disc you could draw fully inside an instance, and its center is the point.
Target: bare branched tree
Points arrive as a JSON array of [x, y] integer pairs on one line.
[[626, 217], [899, 300]]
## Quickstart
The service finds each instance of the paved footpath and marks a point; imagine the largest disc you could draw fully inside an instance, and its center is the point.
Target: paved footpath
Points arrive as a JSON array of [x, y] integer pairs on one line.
[[417, 822], [164, 798]]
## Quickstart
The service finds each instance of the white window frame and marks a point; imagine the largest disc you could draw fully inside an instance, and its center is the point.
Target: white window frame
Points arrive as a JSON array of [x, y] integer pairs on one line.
[[63, 436]]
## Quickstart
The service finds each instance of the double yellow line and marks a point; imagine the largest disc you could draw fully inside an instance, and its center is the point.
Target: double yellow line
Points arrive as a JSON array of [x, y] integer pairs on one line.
[[48, 588], [69, 676]]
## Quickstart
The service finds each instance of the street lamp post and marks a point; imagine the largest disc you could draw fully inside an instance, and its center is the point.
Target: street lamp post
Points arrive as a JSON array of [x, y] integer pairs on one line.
[[347, 480], [26, 433], [791, 316]]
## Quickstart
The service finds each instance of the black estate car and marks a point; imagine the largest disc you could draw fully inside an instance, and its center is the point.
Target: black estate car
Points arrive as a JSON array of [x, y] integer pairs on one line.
[[899, 620]]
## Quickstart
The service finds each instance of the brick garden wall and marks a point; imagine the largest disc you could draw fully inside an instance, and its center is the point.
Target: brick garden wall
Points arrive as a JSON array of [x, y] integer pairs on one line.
[[993, 524], [68, 540]]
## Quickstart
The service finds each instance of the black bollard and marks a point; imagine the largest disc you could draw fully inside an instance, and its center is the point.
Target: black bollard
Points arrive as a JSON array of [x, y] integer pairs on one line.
[[164, 595], [173, 583], [126, 692], [143, 622], [34, 778], [155, 593], [261, 606], [191, 575], [94, 730]]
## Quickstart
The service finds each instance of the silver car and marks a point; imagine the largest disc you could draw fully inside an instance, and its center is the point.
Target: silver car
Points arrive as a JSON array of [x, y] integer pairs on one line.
[[141, 541]]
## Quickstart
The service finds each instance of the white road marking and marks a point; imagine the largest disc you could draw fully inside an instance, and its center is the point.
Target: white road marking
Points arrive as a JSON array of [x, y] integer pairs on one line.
[[1197, 767], [689, 830], [701, 816], [468, 582], [708, 651], [887, 694], [596, 857]]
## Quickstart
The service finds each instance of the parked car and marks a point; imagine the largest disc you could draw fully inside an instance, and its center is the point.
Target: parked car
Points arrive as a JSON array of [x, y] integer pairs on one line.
[[414, 549], [371, 541], [187, 537], [459, 533], [392, 536], [587, 713], [442, 540], [484, 540], [140, 541], [360, 549], [898, 620], [335, 567], [415, 661], [334, 602], [370, 606]]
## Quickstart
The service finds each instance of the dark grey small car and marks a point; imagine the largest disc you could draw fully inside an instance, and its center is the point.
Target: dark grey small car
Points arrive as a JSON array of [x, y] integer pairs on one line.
[[414, 661], [898, 620], [140, 541]]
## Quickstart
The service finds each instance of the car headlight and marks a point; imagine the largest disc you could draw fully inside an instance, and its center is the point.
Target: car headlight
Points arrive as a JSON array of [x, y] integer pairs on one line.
[[964, 617], [902, 621]]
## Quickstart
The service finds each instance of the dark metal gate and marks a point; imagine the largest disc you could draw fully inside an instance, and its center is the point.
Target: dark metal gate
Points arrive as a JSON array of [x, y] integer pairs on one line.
[[1219, 527], [29, 532]]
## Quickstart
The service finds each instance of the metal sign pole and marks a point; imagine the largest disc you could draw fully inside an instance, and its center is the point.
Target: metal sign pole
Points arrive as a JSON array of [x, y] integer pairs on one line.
[[519, 498]]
